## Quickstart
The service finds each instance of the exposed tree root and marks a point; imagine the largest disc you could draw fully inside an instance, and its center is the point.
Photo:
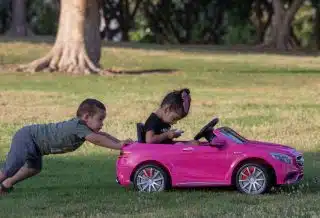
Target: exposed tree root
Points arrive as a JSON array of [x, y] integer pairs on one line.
[[70, 59], [77, 49]]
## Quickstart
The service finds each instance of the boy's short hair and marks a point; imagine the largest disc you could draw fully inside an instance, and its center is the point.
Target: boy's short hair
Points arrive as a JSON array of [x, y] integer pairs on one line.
[[90, 106]]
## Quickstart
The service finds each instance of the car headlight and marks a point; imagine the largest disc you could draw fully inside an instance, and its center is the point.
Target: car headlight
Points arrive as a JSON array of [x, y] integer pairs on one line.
[[282, 157]]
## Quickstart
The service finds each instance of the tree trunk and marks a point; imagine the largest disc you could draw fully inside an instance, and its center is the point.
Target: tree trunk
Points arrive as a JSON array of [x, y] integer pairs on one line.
[[259, 8], [19, 25], [316, 27], [257, 20], [294, 40], [77, 48], [282, 20]]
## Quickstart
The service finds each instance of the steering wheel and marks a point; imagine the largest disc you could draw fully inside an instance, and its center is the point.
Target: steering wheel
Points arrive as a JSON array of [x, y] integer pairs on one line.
[[207, 129]]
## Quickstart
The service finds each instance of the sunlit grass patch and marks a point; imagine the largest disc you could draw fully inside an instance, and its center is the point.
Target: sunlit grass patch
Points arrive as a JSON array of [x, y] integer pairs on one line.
[[263, 97]]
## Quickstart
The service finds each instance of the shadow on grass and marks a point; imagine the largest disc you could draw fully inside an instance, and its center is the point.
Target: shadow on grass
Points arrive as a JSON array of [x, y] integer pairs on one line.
[[217, 49], [13, 68], [139, 72]]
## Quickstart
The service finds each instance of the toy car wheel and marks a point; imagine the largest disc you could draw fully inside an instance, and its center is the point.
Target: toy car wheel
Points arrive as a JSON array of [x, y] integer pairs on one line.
[[253, 179], [150, 178]]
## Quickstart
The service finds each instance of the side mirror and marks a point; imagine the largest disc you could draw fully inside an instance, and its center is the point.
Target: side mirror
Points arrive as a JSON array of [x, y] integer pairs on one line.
[[217, 142]]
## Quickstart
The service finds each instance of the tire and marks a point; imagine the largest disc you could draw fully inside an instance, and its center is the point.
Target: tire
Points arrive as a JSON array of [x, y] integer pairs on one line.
[[151, 178], [253, 179]]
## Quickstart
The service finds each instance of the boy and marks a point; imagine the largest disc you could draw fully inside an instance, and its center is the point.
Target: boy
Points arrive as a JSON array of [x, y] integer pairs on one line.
[[31, 142]]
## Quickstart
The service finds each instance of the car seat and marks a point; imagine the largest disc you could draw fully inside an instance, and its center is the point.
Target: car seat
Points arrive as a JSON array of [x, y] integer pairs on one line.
[[141, 133]]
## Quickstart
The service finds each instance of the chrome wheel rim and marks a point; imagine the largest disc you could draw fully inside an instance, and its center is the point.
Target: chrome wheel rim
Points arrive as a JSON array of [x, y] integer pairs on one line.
[[252, 180], [150, 180]]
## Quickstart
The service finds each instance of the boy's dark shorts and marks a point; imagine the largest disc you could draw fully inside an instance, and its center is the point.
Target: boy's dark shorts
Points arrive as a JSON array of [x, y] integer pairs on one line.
[[23, 152]]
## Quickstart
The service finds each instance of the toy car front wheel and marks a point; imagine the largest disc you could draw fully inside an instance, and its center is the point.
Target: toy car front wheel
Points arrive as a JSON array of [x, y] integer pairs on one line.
[[150, 178], [253, 179]]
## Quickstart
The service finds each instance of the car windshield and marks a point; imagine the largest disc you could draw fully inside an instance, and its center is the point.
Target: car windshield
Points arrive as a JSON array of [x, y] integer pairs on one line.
[[231, 134]]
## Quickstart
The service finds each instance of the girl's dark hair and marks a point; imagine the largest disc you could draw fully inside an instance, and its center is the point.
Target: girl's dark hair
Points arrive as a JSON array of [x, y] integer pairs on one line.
[[178, 101], [90, 106]]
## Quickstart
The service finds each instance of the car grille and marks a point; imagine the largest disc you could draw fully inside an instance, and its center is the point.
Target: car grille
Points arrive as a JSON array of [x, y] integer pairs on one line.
[[300, 160]]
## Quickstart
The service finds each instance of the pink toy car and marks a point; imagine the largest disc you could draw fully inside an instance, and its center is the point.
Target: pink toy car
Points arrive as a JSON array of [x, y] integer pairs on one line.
[[225, 159]]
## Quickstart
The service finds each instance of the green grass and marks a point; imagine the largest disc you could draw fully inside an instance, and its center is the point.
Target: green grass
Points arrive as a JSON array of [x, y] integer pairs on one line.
[[265, 97]]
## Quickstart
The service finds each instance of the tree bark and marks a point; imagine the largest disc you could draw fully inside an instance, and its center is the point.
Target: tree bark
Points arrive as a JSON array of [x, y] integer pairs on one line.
[[282, 20], [257, 21], [77, 48], [260, 7], [19, 26], [316, 27]]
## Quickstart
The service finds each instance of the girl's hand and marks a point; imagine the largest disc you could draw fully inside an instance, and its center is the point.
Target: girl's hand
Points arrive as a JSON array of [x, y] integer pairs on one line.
[[173, 134]]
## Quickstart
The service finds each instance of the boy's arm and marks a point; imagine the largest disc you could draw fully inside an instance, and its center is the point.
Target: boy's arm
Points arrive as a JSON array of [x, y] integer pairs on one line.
[[110, 136], [104, 141]]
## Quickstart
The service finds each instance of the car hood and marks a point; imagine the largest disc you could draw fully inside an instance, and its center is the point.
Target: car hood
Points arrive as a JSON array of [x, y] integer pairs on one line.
[[273, 147]]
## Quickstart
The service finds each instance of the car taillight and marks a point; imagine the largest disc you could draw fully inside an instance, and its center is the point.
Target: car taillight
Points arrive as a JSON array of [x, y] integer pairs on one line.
[[124, 153]]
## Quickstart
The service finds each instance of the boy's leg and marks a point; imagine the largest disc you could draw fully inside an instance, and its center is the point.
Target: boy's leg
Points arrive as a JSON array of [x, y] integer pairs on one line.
[[32, 166], [22, 174], [23, 160], [2, 176], [15, 160]]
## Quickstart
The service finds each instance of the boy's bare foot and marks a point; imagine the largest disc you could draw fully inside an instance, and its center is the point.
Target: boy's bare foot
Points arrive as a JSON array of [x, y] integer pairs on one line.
[[4, 190]]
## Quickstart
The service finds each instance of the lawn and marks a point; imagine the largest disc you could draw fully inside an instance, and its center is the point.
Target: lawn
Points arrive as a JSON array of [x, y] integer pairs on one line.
[[263, 96]]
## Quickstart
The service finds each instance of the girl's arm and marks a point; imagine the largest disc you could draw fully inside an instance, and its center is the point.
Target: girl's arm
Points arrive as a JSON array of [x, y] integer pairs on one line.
[[151, 137]]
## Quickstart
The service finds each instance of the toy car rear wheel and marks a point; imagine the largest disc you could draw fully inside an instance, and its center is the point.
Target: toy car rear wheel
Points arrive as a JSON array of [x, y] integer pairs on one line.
[[253, 179], [150, 178]]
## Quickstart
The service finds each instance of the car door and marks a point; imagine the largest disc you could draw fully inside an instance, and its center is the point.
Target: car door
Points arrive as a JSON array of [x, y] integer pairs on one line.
[[201, 165], [181, 164], [213, 163]]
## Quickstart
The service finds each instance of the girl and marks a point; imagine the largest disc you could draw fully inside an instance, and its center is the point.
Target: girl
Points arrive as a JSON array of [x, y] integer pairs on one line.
[[173, 108]]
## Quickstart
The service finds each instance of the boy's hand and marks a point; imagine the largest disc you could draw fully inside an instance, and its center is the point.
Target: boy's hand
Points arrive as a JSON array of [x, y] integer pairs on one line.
[[126, 141], [105, 141]]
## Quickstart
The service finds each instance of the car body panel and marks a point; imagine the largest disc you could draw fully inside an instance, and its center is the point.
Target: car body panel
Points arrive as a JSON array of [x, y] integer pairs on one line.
[[207, 164]]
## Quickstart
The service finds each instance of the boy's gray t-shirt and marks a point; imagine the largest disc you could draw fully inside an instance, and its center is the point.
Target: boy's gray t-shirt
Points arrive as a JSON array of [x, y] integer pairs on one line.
[[59, 137]]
